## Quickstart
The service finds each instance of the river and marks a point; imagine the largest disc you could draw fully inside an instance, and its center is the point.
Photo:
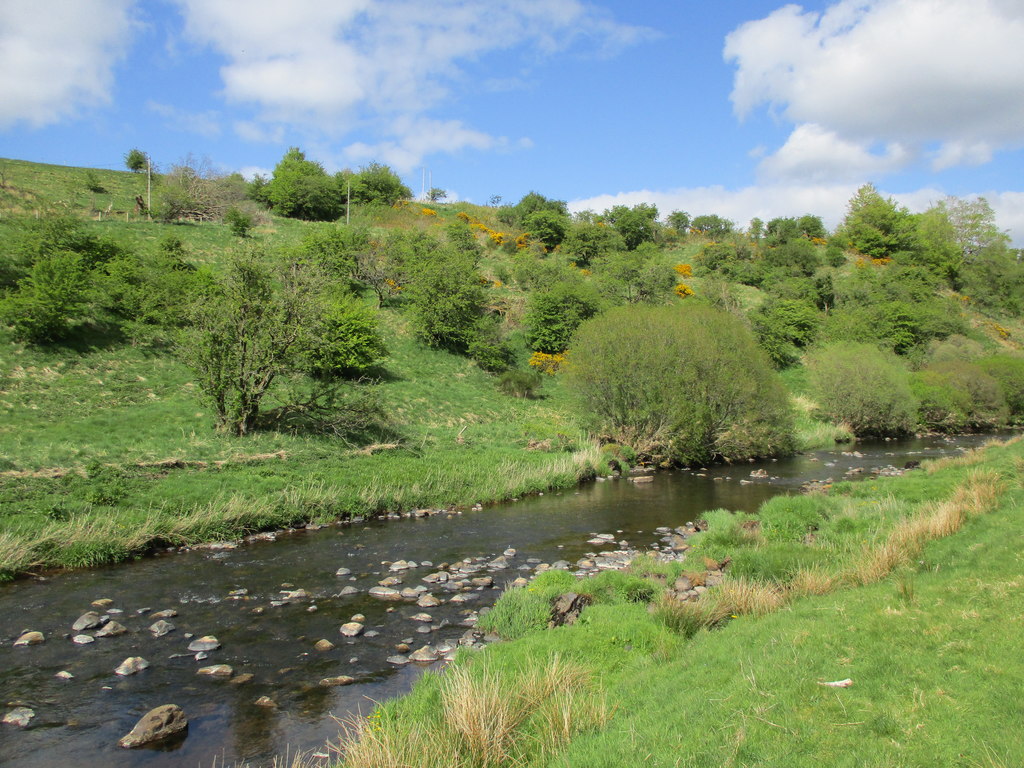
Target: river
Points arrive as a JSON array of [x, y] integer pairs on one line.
[[79, 720]]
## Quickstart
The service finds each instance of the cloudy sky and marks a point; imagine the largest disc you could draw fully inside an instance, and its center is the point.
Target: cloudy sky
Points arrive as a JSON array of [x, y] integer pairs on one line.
[[752, 108]]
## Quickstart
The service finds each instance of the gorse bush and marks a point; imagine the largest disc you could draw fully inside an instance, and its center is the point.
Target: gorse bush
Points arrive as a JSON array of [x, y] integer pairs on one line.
[[864, 387], [688, 381]]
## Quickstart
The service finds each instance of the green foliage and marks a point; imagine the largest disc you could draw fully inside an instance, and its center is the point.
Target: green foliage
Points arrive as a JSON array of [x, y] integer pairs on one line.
[[531, 202], [527, 609], [788, 519], [679, 221], [587, 241], [301, 189], [375, 184], [460, 236], [446, 299], [636, 225], [864, 387], [775, 562], [547, 226], [634, 276], [520, 383], [712, 226], [1009, 372], [879, 228], [797, 256], [732, 261], [93, 183], [249, 329], [48, 303], [344, 339], [785, 326], [238, 222], [956, 394], [688, 380], [135, 160], [553, 315]]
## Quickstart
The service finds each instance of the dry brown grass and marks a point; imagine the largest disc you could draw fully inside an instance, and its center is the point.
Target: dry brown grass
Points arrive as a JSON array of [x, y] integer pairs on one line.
[[814, 580], [974, 497], [746, 597], [488, 718]]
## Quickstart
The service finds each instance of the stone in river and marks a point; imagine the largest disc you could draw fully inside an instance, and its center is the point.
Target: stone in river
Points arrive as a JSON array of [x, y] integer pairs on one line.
[[242, 679], [265, 701], [428, 601], [205, 643], [462, 597], [64, 675], [88, 620], [385, 593], [19, 716], [131, 665], [83, 639], [328, 682], [324, 645], [111, 629], [346, 591], [216, 670], [29, 638], [397, 660], [168, 613], [425, 654], [351, 629], [422, 617], [103, 602], [161, 628], [155, 725], [343, 572]]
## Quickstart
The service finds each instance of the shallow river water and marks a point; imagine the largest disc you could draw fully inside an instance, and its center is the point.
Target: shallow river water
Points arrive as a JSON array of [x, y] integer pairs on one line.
[[79, 720]]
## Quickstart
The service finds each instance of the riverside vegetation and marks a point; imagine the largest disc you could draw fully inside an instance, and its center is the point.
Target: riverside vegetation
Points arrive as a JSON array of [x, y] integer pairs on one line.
[[311, 347], [873, 626]]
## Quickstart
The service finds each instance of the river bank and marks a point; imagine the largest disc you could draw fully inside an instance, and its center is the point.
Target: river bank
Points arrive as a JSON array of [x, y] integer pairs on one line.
[[892, 648]]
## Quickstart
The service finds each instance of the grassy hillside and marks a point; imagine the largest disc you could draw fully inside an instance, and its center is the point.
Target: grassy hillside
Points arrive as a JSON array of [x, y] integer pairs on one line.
[[107, 447]]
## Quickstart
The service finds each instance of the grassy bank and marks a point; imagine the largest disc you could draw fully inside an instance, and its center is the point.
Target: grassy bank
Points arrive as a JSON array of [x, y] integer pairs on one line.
[[108, 452], [912, 593]]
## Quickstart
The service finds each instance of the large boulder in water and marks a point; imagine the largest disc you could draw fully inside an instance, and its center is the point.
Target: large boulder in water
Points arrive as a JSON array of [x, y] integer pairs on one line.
[[155, 725]]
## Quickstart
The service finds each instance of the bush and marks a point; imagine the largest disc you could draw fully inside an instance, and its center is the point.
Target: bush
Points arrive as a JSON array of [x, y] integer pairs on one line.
[[49, 301], [553, 315], [955, 394], [863, 386], [1009, 372], [687, 380], [446, 299], [240, 223], [519, 383]]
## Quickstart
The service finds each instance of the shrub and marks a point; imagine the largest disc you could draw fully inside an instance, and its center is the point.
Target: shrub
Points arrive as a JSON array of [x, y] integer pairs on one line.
[[240, 223], [864, 387], [517, 383], [955, 394], [688, 380], [553, 315], [49, 300], [446, 299], [1009, 372]]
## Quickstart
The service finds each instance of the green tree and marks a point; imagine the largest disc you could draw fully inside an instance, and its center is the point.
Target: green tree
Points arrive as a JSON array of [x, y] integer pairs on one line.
[[547, 226], [879, 228], [712, 226], [249, 329], [636, 225], [50, 300], [301, 189], [135, 160], [687, 380], [634, 276], [378, 184], [679, 221], [864, 387], [554, 314], [446, 299], [587, 241]]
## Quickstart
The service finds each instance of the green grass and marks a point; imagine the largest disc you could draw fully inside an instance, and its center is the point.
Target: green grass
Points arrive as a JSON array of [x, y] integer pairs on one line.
[[931, 648]]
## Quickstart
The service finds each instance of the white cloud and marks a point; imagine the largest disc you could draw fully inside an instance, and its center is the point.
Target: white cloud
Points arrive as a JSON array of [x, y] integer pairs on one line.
[[329, 67], [813, 154], [829, 201], [58, 57], [911, 72]]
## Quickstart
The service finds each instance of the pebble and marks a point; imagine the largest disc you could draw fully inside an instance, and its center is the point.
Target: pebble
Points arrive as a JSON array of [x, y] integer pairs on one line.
[[351, 629], [216, 670], [131, 665], [19, 716], [111, 629], [329, 682], [83, 639], [205, 643], [29, 638], [161, 628]]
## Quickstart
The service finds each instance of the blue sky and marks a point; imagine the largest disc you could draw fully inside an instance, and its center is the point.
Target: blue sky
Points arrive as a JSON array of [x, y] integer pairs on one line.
[[744, 109]]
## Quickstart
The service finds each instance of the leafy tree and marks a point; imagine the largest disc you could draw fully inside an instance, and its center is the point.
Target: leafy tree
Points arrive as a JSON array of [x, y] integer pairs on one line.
[[712, 226], [446, 299], [344, 340], [864, 387], [756, 229], [50, 300], [554, 314], [879, 228], [531, 202], [378, 184], [679, 221], [301, 189], [634, 276], [636, 225], [547, 226], [1009, 372], [956, 394], [260, 322], [785, 326], [135, 160], [436, 195], [239, 222], [796, 256], [587, 241], [687, 379]]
